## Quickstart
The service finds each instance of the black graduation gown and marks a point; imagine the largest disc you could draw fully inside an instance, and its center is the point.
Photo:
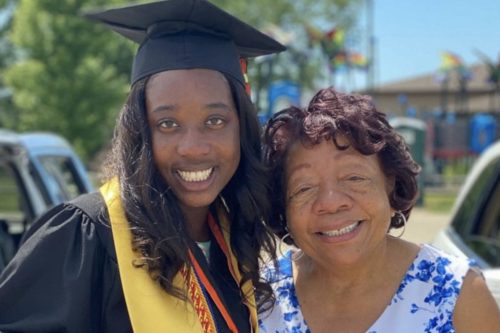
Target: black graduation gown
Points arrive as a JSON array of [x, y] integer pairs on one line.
[[65, 278]]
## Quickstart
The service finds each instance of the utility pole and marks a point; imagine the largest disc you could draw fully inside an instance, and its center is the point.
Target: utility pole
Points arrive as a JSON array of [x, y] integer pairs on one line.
[[371, 45]]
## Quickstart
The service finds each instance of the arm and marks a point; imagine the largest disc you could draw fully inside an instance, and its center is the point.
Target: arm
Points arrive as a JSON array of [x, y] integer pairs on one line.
[[476, 309]]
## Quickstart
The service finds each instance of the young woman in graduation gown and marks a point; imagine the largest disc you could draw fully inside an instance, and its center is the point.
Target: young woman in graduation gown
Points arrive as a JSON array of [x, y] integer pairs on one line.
[[171, 241]]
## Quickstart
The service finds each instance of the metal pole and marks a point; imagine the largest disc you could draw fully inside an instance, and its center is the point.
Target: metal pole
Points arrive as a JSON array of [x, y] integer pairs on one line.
[[371, 44]]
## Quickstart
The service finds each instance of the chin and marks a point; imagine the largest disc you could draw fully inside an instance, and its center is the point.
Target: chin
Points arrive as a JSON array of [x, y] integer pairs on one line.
[[198, 202]]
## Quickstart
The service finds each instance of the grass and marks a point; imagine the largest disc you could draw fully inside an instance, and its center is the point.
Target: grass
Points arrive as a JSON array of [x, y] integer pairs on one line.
[[439, 201]]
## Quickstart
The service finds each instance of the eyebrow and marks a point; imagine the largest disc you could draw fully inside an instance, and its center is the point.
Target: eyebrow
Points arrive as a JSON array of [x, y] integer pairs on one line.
[[166, 107], [209, 106], [305, 165], [219, 105], [353, 161]]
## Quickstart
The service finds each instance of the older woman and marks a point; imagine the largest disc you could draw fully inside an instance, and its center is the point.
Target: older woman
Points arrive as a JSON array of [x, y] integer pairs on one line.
[[343, 178]]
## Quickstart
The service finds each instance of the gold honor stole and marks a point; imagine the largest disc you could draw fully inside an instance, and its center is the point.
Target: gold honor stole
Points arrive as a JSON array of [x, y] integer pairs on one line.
[[151, 308]]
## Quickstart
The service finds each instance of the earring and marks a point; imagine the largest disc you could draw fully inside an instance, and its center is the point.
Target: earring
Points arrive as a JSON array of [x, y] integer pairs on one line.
[[282, 241], [402, 219], [295, 255]]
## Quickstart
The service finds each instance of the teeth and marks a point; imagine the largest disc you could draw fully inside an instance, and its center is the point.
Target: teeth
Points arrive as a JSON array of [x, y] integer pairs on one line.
[[340, 232], [195, 176]]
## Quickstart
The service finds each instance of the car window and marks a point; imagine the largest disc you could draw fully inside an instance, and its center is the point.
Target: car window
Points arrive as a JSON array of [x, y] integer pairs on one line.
[[478, 195], [485, 236], [478, 220], [11, 212], [15, 211], [12, 199], [64, 181], [40, 184]]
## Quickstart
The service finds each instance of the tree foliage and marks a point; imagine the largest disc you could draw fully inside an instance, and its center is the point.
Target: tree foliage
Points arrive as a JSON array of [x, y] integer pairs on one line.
[[291, 13], [300, 63], [72, 75], [7, 57]]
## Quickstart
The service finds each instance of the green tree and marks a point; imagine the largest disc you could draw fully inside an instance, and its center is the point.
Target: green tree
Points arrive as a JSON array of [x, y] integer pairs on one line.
[[7, 57], [300, 63], [72, 75], [292, 13]]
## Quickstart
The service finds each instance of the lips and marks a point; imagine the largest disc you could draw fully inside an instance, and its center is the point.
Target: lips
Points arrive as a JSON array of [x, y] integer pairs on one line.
[[341, 231], [195, 176]]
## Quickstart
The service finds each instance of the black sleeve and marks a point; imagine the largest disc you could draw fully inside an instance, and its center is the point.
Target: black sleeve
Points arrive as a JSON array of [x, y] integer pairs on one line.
[[59, 280]]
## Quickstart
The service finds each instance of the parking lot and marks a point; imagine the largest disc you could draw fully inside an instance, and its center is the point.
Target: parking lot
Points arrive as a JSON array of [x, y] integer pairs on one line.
[[424, 225]]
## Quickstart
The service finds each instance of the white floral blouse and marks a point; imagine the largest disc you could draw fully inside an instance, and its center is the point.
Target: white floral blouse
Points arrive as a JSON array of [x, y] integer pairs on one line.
[[424, 301]]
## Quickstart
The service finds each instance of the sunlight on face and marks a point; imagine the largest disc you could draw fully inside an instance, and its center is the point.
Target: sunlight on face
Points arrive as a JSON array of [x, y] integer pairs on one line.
[[337, 201], [195, 133]]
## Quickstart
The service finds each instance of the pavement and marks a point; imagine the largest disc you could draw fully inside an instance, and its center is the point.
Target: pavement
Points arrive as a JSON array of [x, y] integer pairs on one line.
[[423, 225]]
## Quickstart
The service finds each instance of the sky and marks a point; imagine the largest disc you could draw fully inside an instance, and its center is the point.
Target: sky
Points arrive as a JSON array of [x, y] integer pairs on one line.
[[411, 34]]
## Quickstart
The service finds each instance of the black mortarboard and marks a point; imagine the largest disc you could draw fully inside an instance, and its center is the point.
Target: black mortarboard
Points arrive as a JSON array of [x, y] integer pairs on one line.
[[183, 34]]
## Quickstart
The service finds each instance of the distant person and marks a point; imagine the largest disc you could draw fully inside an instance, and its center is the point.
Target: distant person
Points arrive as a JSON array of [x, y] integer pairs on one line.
[[172, 241], [342, 179]]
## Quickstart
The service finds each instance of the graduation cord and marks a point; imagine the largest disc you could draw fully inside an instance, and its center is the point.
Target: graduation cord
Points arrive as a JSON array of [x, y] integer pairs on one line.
[[199, 299], [205, 285], [208, 326]]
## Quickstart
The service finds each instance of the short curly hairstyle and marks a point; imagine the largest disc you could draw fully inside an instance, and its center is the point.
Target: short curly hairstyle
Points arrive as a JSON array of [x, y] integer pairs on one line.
[[330, 114]]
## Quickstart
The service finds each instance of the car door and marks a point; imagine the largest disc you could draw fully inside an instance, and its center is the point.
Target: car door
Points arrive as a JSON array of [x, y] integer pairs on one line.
[[475, 226], [37, 171], [477, 220]]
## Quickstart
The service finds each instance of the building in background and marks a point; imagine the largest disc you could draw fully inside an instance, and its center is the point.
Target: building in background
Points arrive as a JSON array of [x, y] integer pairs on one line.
[[461, 116], [425, 95]]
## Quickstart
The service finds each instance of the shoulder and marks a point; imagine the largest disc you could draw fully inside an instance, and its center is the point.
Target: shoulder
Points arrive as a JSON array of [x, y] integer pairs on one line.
[[476, 309], [435, 279], [83, 219], [81, 208], [63, 272], [432, 263], [428, 293]]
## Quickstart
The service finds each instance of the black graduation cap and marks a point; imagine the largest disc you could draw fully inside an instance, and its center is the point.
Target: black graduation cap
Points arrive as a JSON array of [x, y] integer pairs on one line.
[[183, 34]]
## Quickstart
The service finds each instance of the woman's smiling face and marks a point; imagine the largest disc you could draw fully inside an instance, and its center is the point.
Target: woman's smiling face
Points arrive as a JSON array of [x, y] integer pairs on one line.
[[194, 132], [337, 203]]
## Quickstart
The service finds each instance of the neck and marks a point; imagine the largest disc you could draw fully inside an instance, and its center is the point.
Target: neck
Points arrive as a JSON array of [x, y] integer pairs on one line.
[[196, 223]]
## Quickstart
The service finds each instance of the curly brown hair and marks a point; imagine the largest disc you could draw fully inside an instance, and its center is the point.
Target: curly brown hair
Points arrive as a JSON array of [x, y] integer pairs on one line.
[[328, 115], [153, 212]]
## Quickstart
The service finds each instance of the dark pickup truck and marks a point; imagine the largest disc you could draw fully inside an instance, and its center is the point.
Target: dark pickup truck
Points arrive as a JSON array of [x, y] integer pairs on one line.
[[37, 171]]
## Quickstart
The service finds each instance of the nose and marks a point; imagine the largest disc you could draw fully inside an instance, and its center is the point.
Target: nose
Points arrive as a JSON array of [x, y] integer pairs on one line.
[[193, 144], [331, 199]]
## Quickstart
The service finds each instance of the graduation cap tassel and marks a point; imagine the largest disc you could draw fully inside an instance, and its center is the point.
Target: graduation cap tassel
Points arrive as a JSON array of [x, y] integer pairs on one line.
[[244, 67]]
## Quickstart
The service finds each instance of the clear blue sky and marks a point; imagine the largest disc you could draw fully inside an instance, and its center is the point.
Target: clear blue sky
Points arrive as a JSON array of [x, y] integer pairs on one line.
[[411, 34]]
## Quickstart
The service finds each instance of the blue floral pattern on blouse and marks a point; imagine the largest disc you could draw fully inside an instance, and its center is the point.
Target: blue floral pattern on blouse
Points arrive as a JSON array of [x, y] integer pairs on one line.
[[424, 301]]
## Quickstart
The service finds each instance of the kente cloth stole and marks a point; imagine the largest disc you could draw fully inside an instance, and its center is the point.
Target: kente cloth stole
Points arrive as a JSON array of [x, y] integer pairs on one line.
[[150, 308]]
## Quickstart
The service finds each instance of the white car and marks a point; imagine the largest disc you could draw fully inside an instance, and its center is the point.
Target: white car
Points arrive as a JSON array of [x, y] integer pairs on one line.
[[474, 229]]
